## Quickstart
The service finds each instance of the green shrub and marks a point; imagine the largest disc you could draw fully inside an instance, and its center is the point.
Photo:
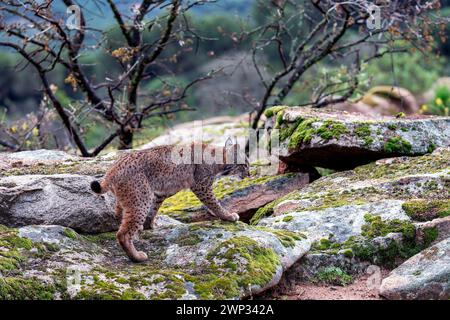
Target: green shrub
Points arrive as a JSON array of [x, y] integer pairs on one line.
[[334, 276], [398, 69], [440, 105]]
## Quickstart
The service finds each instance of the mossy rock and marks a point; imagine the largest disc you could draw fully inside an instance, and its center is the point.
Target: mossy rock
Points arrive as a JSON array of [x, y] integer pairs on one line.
[[329, 139], [357, 213], [425, 210], [208, 260]]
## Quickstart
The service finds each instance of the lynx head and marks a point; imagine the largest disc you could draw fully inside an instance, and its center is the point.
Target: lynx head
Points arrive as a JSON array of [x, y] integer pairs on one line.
[[236, 162]]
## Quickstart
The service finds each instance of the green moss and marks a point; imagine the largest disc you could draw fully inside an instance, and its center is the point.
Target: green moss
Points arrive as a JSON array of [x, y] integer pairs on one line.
[[331, 130], [387, 255], [132, 295], [322, 244], [431, 147], [397, 145], [392, 126], [303, 133], [348, 253], [15, 250], [333, 275], [69, 233], [15, 288], [363, 131], [325, 171], [315, 202], [101, 237], [100, 290], [53, 247], [425, 210], [429, 236], [270, 112], [287, 218], [109, 284], [286, 237], [287, 130], [279, 120], [426, 164], [236, 263], [363, 248], [188, 239], [376, 227]]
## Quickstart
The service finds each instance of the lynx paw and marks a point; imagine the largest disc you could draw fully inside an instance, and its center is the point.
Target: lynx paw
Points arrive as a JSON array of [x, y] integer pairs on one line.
[[139, 257], [232, 217]]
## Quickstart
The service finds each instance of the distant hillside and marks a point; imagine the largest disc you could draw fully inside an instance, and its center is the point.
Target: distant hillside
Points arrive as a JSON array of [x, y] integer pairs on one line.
[[98, 14]]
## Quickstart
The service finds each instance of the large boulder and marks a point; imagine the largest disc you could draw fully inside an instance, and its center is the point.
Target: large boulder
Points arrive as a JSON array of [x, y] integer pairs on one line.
[[58, 192], [382, 212], [208, 260], [339, 140], [424, 276], [62, 199]]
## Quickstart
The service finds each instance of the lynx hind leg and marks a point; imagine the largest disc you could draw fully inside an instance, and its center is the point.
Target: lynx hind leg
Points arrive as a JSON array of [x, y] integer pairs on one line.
[[136, 202], [206, 195], [131, 226], [118, 212]]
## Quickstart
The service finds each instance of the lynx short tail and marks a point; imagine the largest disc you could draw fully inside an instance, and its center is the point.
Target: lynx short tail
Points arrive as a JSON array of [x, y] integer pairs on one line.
[[98, 187]]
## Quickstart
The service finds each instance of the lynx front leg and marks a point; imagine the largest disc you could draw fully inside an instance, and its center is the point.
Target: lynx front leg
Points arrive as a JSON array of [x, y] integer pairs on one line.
[[206, 195], [154, 207]]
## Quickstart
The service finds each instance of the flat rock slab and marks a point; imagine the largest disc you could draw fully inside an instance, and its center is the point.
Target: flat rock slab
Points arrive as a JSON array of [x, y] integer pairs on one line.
[[339, 140], [208, 260], [59, 193], [340, 222], [424, 276]]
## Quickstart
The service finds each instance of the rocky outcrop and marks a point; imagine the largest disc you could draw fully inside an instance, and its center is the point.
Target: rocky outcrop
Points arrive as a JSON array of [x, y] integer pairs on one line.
[[381, 212], [208, 260], [337, 140], [424, 276], [58, 242]]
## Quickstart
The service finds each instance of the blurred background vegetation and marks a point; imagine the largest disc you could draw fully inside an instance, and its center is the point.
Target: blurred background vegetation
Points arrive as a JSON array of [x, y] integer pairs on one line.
[[219, 24]]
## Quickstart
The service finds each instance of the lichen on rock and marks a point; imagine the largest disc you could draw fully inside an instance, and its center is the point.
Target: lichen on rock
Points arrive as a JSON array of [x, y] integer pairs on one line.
[[372, 213], [424, 276]]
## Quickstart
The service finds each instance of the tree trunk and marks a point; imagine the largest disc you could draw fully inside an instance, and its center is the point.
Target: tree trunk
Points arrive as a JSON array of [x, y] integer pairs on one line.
[[126, 139]]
